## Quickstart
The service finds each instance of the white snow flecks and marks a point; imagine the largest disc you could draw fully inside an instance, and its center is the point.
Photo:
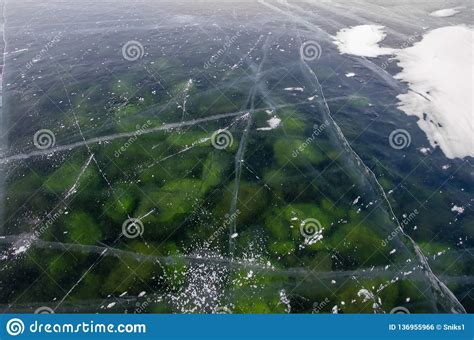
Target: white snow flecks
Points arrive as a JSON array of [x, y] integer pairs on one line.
[[457, 209], [365, 294], [362, 40], [20, 250], [20, 247], [285, 301], [273, 123], [203, 288], [300, 89], [350, 74], [424, 151], [441, 88], [447, 12]]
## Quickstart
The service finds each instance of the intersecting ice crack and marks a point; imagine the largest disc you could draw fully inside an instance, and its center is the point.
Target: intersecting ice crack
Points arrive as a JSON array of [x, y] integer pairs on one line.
[[438, 287], [227, 261], [239, 157], [198, 142], [97, 140], [27, 240], [74, 187], [197, 295], [2, 136]]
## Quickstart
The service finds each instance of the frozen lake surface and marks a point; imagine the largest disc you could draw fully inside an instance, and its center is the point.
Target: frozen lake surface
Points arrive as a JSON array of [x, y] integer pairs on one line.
[[237, 157]]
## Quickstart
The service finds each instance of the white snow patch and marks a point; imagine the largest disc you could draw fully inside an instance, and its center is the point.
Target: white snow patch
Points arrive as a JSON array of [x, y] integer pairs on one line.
[[448, 12], [457, 209], [424, 151], [300, 89], [438, 70], [365, 294], [273, 123], [362, 41], [20, 250], [350, 75]]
